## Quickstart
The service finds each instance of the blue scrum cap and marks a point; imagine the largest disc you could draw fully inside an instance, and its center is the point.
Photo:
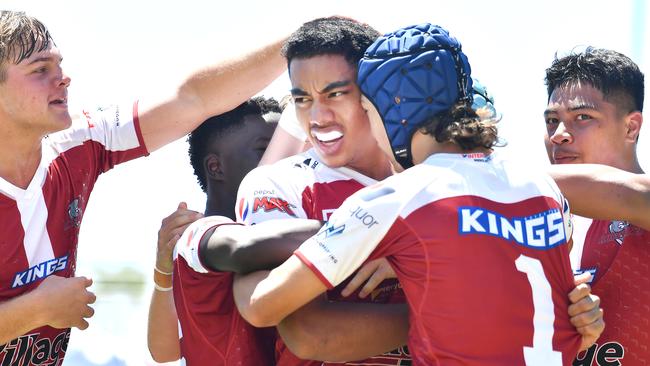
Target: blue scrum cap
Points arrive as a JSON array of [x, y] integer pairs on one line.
[[411, 75]]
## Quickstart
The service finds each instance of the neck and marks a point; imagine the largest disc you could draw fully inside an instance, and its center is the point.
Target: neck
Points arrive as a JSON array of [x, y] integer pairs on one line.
[[378, 169], [220, 204], [20, 155], [423, 146]]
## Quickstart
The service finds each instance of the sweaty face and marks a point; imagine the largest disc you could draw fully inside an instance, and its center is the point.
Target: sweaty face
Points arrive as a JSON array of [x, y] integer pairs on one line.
[[582, 127], [328, 107], [34, 95]]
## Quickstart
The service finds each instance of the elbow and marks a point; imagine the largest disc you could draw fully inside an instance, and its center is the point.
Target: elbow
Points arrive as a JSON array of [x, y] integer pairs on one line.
[[162, 354], [257, 317]]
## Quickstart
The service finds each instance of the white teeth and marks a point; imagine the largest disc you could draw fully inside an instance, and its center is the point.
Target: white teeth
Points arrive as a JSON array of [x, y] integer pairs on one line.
[[327, 136]]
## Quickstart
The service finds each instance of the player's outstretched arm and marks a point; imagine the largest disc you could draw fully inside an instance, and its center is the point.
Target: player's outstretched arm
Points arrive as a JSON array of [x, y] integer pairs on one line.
[[342, 331], [265, 298], [606, 193], [208, 92], [244, 249]]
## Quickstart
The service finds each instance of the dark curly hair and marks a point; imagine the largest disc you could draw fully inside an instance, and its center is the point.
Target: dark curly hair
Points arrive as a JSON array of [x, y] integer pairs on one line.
[[461, 125], [20, 37], [614, 74], [330, 36], [215, 128]]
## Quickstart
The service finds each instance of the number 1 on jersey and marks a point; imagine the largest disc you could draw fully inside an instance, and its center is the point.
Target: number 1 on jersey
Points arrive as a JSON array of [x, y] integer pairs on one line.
[[541, 353]]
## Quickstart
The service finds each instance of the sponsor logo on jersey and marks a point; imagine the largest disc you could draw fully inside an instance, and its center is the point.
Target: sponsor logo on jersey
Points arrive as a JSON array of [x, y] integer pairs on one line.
[[40, 271], [75, 213], [543, 230], [269, 203], [480, 157], [330, 230], [243, 209], [89, 118], [30, 350], [608, 354], [618, 229], [307, 163], [364, 216]]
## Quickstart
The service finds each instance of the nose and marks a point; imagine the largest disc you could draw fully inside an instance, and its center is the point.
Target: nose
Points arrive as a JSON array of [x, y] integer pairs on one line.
[[561, 135], [65, 80], [320, 114]]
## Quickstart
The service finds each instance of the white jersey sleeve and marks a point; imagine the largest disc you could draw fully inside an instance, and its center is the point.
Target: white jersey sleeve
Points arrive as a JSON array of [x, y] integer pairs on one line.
[[352, 233], [270, 192], [188, 244]]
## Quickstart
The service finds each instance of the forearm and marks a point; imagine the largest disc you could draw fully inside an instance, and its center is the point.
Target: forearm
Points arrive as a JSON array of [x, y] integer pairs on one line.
[[335, 331], [245, 249], [20, 315], [606, 193], [162, 328], [265, 298], [222, 87], [211, 91]]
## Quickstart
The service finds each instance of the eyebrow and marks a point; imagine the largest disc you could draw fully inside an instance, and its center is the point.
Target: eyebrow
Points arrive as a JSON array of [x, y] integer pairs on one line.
[[45, 59], [329, 87], [571, 109]]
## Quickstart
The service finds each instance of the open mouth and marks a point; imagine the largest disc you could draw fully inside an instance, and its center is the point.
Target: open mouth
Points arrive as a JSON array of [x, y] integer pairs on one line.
[[325, 137]]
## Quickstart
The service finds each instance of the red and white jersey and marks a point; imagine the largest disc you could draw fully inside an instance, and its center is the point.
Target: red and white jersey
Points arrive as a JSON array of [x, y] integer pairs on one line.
[[479, 246], [211, 330], [40, 225], [303, 187], [618, 256]]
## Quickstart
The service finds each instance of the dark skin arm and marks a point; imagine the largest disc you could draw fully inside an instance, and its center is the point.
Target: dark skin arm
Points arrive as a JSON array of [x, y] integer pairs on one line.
[[244, 249], [346, 331]]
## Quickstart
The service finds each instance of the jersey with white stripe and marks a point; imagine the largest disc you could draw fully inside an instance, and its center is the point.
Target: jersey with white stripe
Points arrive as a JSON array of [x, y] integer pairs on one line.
[[302, 186], [479, 246], [40, 224]]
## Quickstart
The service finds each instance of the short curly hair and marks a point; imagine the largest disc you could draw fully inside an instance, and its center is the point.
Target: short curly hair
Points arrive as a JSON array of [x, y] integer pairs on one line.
[[215, 128], [330, 36], [462, 125]]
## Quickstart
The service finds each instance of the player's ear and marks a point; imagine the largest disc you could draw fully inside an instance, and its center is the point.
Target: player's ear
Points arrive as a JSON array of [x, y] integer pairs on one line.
[[633, 122], [213, 167]]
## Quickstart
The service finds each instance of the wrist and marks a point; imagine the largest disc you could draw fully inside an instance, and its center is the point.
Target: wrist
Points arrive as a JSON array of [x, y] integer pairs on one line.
[[162, 280]]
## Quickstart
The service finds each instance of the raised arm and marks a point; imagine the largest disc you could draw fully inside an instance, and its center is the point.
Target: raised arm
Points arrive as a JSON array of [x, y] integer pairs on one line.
[[162, 326], [244, 249], [606, 193], [208, 92]]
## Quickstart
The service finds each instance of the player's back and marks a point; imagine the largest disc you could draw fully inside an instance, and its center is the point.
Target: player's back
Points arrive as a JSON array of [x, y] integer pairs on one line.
[[484, 264]]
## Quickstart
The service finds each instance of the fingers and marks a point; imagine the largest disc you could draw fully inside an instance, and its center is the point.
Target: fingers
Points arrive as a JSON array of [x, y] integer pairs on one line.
[[82, 324], [362, 275], [374, 281], [372, 274], [582, 278], [581, 291], [182, 206], [590, 333]]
